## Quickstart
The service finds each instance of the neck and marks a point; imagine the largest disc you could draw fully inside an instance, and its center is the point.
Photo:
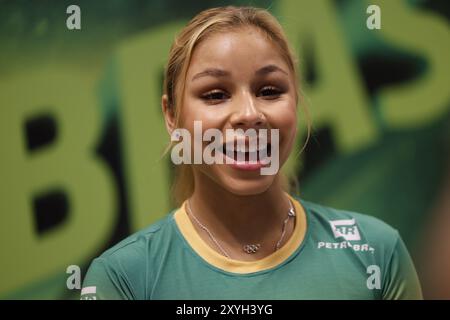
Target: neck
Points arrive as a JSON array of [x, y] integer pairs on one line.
[[240, 219]]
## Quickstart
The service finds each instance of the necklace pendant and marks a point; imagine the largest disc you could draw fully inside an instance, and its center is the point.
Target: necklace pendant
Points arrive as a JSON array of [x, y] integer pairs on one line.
[[251, 248], [291, 213]]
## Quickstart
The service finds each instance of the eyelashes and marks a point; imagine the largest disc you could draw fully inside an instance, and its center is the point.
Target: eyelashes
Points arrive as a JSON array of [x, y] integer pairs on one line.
[[271, 91], [217, 96]]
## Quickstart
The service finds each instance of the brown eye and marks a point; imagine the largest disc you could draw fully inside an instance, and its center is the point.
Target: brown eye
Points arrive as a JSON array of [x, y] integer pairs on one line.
[[215, 96], [270, 92]]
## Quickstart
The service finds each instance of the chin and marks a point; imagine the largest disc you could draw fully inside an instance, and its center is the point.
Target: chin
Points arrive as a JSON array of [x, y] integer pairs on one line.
[[246, 187], [242, 183]]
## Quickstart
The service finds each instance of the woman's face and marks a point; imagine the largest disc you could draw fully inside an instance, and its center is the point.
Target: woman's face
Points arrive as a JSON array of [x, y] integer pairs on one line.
[[239, 80]]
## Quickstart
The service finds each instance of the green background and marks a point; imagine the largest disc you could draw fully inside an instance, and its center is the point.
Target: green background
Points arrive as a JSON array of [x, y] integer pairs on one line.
[[82, 133]]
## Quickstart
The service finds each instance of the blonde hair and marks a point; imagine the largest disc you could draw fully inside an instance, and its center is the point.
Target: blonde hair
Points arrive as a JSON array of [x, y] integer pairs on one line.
[[205, 24]]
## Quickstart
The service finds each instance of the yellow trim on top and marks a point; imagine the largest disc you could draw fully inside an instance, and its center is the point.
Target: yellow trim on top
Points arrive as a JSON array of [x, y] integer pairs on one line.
[[214, 258]]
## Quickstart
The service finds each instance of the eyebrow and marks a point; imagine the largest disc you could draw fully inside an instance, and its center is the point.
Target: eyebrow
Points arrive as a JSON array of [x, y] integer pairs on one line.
[[212, 72], [269, 69], [219, 73]]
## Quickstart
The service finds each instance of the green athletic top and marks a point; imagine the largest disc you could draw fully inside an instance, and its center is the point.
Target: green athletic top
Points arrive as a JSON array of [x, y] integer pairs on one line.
[[331, 254]]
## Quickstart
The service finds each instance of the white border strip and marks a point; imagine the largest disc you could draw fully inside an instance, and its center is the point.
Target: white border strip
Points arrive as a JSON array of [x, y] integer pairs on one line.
[[89, 290]]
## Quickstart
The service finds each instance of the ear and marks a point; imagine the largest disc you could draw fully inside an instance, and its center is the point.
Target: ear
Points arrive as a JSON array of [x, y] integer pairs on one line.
[[169, 114]]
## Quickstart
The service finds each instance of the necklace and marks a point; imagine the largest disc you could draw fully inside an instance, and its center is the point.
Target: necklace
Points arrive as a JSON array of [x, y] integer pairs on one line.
[[248, 248]]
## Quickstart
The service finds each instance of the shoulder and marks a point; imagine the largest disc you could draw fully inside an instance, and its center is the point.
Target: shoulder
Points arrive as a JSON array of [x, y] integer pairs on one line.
[[366, 246], [122, 271], [140, 243], [339, 225]]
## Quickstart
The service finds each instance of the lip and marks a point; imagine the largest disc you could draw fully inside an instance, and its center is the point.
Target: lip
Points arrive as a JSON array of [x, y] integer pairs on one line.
[[247, 166], [233, 145], [244, 165]]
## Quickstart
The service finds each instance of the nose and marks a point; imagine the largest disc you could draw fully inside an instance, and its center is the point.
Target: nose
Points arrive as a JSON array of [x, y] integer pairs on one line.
[[246, 113]]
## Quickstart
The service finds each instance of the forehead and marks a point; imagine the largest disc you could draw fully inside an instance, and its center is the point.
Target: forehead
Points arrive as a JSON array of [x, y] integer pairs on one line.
[[239, 50]]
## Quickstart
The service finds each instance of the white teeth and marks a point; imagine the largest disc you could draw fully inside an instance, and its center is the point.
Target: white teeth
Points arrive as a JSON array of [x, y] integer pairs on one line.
[[240, 148], [253, 157], [243, 148], [263, 148], [253, 147]]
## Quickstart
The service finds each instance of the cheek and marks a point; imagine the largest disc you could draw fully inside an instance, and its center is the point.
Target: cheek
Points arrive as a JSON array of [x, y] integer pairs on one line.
[[286, 122], [289, 121], [195, 110]]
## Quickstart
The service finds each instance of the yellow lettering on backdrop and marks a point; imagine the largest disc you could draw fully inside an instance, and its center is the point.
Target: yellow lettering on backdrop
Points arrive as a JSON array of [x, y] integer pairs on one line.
[[69, 164], [338, 98], [140, 66], [424, 99]]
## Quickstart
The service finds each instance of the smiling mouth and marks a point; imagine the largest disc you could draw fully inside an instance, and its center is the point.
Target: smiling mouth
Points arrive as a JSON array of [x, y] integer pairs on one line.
[[245, 152]]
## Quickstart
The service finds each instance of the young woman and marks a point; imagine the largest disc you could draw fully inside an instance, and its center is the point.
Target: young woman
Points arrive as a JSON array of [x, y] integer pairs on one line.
[[237, 233]]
